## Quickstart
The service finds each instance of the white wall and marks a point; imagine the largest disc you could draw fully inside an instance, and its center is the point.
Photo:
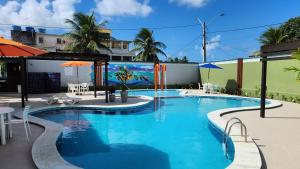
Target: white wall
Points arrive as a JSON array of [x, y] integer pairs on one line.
[[54, 67], [182, 73], [50, 41], [176, 73]]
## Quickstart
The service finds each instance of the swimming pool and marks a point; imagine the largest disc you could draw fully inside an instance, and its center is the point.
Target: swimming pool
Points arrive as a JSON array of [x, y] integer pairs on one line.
[[158, 93], [170, 133]]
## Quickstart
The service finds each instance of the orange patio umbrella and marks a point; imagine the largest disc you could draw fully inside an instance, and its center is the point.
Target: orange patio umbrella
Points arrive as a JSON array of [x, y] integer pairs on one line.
[[10, 48], [77, 64]]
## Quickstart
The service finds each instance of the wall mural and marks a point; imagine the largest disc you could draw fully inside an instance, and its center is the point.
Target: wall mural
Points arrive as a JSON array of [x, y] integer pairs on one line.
[[139, 74]]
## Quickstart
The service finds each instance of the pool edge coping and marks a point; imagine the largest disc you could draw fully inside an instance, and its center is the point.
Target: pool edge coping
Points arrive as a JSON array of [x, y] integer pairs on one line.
[[44, 151], [247, 154]]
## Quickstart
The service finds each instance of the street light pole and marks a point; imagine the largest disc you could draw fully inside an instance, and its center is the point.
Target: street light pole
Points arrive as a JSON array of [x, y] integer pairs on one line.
[[204, 42], [204, 28]]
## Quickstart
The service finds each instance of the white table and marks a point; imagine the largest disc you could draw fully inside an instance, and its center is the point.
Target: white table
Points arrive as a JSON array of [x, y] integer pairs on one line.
[[5, 111]]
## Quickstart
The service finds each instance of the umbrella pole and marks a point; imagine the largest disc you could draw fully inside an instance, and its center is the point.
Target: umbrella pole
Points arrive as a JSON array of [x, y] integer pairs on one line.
[[77, 76], [208, 75]]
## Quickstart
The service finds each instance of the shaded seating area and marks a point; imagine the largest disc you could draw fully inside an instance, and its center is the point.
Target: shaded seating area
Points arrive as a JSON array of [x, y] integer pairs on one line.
[[80, 88], [97, 59], [209, 87]]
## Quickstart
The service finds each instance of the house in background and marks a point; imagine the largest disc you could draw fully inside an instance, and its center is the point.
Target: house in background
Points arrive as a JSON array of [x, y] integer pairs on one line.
[[119, 48], [54, 42]]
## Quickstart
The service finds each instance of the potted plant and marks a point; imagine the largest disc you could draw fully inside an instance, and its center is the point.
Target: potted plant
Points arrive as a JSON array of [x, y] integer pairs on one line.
[[112, 96], [124, 94], [123, 75]]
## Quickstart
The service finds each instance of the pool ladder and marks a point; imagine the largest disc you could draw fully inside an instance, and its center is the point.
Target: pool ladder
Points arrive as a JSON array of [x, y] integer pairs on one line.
[[226, 133]]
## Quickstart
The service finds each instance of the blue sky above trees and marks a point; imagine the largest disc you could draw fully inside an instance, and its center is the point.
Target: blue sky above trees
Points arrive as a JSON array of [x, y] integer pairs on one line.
[[125, 16]]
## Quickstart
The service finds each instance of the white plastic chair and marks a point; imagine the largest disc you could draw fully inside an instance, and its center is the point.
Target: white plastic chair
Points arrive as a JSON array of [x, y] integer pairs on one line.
[[84, 87], [206, 88], [199, 85], [216, 89], [72, 88], [24, 121]]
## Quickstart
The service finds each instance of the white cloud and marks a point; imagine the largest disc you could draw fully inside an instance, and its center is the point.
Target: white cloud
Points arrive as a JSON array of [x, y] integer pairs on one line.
[[213, 43], [50, 13], [190, 3], [110, 8]]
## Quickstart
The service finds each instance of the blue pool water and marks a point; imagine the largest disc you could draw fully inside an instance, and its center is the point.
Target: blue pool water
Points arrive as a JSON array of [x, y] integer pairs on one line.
[[170, 133], [151, 93]]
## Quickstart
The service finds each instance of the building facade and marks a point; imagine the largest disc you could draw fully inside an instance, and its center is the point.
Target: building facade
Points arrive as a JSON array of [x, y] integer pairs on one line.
[[119, 49]]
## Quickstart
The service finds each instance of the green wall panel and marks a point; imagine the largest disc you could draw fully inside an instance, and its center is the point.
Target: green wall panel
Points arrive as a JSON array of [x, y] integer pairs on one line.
[[251, 75], [279, 81], [220, 76]]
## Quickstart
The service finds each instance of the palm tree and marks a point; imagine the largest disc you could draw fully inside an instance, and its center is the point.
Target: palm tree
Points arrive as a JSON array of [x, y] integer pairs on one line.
[[272, 36], [184, 59], [295, 55], [147, 48], [85, 35]]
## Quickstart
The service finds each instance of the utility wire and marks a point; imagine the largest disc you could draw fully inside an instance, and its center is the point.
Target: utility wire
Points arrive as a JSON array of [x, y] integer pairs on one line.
[[188, 44], [155, 28], [246, 28], [118, 29]]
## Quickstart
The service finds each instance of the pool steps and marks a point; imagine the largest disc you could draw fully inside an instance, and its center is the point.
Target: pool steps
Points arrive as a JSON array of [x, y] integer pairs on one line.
[[226, 134]]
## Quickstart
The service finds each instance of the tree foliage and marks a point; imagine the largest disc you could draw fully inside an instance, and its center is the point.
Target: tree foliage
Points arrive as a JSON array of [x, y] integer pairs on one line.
[[146, 47], [85, 35], [295, 55], [291, 29], [184, 59], [272, 36]]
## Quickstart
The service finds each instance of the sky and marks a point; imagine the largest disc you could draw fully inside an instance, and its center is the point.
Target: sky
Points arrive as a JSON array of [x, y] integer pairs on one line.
[[126, 17]]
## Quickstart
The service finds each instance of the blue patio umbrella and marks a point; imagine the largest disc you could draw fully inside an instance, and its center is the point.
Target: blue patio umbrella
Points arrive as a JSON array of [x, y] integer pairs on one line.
[[210, 66]]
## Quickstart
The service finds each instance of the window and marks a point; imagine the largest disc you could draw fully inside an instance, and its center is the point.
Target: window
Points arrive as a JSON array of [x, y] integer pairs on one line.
[[116, 45], [41, 40], [125, 45], [116, 58], [58, 40], [127, 58]]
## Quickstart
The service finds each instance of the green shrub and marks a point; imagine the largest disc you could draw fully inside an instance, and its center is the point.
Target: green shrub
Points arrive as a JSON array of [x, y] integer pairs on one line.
[[271, 95], [284, 98]]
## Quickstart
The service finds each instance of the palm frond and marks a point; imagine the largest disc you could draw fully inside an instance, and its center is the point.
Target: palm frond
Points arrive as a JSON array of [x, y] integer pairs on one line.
[[147, 47]]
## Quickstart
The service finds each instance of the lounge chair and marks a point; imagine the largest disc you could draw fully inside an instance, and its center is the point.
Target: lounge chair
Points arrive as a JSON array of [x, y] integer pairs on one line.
[[52, 100], [70, 100]]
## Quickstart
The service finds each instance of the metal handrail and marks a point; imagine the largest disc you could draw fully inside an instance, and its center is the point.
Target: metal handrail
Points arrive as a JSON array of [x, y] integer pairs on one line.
[[225, 131], [243, 127], [225, 134]]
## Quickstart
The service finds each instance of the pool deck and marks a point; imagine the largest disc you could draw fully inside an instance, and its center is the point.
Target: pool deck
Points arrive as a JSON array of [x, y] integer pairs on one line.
[[276, 135]]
